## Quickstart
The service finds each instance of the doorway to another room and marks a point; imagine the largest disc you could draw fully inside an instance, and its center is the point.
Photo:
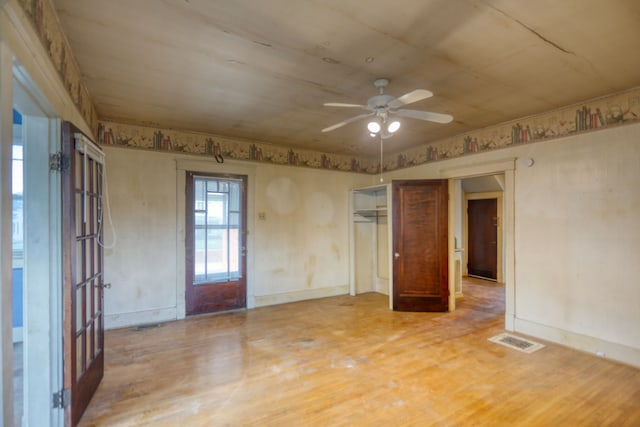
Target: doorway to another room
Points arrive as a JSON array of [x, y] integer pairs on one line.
[[483, 227], [483, 240]]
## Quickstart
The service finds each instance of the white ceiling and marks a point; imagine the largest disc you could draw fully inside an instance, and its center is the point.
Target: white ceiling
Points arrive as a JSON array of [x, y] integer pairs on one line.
[[261, 69]]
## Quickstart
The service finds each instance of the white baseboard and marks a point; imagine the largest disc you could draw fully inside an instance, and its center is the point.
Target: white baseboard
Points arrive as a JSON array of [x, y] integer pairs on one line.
[[596, 346], [17, 334], [125, 320], [285, 297]]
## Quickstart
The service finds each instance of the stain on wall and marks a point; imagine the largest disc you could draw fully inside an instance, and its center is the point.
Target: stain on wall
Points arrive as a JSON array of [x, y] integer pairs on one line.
[[310, 268], [283, 195], [319, 208]]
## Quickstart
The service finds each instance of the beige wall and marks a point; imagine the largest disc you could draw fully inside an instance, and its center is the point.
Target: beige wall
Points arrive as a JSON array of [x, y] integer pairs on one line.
[[299, 251], [578, 240]]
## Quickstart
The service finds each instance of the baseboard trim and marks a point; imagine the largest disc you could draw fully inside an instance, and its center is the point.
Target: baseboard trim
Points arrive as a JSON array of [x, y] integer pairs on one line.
[[125, 320], [606, 349], [285, 297]]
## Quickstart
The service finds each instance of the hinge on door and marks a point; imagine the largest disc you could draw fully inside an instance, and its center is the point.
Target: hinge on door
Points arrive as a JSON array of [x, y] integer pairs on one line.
[[62, 399], [58, 162]]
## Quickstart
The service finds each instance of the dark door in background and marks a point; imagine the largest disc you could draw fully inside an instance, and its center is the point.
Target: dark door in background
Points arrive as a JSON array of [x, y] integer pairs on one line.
[[483, 238], [420, 245]]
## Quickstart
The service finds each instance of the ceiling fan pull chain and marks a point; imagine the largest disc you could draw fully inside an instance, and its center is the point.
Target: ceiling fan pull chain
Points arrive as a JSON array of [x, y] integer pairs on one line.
[[381, 139]]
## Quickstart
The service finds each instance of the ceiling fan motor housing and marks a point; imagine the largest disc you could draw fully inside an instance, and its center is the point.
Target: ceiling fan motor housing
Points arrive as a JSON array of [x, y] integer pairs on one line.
[[379, 102]]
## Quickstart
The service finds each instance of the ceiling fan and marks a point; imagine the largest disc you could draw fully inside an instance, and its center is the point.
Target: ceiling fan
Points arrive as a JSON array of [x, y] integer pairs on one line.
[[382, 106]]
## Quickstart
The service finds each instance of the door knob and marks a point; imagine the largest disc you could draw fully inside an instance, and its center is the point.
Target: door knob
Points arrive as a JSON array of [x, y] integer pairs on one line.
[[396, 255]]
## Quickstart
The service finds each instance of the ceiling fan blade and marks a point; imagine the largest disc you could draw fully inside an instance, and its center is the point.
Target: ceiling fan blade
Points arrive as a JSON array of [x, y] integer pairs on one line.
[[408, 98], [346, 122], [425, 115], [340, 104]]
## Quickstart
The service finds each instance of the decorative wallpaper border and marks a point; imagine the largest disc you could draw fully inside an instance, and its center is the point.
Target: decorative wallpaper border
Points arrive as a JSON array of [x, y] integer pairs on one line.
[[604, 112], [45, 22], [221, 148]]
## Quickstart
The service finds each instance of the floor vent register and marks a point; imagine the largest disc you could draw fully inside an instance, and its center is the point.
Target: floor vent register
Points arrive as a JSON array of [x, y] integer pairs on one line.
[[517, 343]]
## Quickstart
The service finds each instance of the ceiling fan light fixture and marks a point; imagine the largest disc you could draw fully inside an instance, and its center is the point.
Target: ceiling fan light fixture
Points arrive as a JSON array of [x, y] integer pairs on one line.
[[393, 126], [374, 127], [381, 107]]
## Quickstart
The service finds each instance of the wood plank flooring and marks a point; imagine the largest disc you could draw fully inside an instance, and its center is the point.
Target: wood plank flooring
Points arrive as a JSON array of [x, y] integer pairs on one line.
[[349, 361]]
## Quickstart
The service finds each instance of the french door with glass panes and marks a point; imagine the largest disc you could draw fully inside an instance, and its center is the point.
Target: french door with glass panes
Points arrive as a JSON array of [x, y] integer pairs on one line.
[[82, 165], [215, 242]]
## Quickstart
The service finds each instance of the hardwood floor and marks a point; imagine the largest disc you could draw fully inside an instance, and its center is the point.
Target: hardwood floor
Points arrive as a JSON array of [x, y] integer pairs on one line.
[[349, 361]]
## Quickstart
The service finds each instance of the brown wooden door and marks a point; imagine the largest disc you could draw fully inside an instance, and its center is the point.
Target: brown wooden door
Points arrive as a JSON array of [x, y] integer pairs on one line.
[[215, 241], [420, 245], [82, 268], [483, 238]]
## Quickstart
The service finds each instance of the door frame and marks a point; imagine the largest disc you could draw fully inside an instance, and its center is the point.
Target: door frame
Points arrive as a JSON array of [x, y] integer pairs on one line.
[[42, 331], [465, 230], [42, 292], [507, 167]]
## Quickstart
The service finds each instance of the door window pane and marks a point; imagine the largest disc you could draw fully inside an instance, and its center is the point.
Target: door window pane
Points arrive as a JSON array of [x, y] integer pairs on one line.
[[80, 303], [79, 278], [216, 256], [216, 208], [216, 220], [200, 252], [88, 353], [80, 356], [200, 218], [198, 194], [96, 333], [234, 219]]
